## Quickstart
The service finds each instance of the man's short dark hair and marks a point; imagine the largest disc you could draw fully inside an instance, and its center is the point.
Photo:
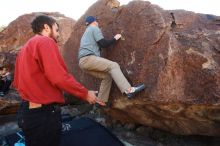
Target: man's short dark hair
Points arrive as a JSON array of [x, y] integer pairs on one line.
[[37, 24]]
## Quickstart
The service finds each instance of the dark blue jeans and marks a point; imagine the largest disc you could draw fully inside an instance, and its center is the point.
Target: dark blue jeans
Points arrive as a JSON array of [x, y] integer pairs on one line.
[[41, 126]]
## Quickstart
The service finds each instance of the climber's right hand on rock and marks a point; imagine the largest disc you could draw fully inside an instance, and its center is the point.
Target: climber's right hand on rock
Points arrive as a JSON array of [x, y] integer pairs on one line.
[[117, 36]]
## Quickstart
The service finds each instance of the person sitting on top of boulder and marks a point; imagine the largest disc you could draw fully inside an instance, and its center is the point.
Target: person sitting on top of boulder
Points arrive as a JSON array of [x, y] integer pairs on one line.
[[6, 79], [91, 62]]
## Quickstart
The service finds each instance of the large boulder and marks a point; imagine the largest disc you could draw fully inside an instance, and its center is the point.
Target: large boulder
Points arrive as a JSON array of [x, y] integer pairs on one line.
[[175, 53], [13, 37]]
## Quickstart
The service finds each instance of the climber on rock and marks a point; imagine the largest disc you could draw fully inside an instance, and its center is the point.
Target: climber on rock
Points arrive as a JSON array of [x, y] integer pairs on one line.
[[91, 62]]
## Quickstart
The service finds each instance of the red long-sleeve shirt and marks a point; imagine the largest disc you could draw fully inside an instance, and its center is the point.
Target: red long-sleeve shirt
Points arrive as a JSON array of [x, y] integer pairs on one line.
[[41, 75]]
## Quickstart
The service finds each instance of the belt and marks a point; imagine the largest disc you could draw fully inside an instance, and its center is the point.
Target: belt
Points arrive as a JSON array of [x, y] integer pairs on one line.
[[87, 55], [32, 105]]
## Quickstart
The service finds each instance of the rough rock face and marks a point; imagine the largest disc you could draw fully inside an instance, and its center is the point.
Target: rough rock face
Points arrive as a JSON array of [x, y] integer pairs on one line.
[[9, 103], [175, 53], [14, 36]]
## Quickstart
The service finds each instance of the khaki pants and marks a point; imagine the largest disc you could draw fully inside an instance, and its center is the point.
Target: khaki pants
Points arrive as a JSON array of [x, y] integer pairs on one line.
[[106, 70]]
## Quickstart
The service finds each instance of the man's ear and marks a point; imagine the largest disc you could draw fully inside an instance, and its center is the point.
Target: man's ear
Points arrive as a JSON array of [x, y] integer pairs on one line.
[[46, 27]]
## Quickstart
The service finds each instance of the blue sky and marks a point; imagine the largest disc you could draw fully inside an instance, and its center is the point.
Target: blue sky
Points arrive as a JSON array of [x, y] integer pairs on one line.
[[11, 9]]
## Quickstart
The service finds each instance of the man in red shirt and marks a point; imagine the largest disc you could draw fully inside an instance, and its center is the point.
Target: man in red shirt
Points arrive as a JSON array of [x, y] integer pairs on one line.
[[40, 78]]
